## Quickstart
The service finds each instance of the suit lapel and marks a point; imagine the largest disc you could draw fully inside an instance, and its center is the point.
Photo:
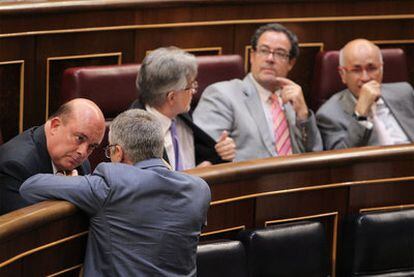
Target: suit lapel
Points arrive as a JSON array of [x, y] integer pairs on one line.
[[255, 108], [291, 120], [403, 114]]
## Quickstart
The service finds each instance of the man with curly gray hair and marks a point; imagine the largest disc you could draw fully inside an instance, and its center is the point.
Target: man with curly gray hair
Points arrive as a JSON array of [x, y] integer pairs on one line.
[[145, 219]]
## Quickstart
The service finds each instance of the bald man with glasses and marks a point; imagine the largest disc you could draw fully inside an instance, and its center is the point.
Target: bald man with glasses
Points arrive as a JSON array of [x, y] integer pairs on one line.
[[368, 112]]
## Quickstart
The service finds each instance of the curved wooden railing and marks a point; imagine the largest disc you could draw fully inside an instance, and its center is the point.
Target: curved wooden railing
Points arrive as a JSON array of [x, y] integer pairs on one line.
[[49, 238]]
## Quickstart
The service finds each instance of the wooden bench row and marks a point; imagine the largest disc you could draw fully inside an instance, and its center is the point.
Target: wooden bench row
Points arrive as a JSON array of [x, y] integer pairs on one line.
[[49, 238]]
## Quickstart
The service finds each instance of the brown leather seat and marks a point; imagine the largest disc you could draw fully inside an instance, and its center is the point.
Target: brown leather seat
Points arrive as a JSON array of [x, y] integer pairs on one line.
[[326, 79]]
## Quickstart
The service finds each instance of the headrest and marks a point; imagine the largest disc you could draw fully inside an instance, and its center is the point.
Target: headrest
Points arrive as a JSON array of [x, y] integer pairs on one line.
[[111, 87], [289, 249]]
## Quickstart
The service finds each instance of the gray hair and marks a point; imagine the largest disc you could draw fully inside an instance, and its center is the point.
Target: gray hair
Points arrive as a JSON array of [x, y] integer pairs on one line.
[[163, 70], [278, 28], [138, 133]]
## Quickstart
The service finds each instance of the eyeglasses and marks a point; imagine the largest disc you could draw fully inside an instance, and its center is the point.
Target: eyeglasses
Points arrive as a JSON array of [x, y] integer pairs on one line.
[[107, 150], [370, 69], [192, 88], [277, 54]]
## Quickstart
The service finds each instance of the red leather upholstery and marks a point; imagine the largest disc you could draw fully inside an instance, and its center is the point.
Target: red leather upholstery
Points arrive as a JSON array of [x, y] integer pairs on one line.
[[111, 87], [212, 69], [326, 79]]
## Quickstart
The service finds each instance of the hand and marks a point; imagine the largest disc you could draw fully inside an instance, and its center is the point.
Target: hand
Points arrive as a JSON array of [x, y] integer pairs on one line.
[[370, 92], [292, 92], [204, 164], [73, 172], [225, 147]]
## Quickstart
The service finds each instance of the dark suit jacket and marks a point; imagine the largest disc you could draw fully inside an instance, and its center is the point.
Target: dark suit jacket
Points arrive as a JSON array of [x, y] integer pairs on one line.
[[203, 143], [20, 158]]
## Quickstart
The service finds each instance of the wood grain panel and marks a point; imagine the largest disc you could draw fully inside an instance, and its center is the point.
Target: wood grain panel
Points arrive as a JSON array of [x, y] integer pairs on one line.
[[11, 98]]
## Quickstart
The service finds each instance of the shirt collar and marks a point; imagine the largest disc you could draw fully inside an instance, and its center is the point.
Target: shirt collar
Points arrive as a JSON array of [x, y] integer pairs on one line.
[[264, 94], [165, 120]]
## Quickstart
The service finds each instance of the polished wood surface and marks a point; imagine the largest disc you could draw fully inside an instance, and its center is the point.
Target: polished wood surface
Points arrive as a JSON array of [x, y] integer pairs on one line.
[[327, 186], [48, 36]]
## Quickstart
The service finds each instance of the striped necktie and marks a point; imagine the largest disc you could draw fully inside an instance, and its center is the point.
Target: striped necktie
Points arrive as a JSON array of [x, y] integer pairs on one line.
[[280, 127]]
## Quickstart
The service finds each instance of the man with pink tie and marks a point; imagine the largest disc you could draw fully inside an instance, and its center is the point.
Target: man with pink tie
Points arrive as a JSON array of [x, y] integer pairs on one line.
[[265, 113]]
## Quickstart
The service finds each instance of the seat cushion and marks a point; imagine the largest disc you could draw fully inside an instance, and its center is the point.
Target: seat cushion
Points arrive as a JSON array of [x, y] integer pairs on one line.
[[290, 249]]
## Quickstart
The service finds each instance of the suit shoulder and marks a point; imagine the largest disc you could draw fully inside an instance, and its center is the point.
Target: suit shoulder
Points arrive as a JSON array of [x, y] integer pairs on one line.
[[398, 86], [19, 150], [331, 105], [234, 86]]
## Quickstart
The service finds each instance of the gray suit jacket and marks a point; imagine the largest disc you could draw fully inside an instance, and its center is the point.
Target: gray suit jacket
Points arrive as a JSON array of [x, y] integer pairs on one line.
[[145, 220], [235, 106], [340, 130]]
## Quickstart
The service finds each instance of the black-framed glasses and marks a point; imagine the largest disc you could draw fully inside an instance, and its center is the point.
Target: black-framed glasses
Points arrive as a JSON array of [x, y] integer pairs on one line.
[[277, 54], [107, 150]]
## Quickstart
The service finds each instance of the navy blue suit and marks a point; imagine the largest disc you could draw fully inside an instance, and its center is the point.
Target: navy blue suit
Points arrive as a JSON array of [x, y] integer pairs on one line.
[[22, 157], [145, 220]]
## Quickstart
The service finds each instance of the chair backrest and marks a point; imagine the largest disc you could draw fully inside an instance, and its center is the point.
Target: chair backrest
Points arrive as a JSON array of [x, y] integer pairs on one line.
[[326, 79], [381, 243], [212, 69], [111, 87], [221, 259], [289, 249]]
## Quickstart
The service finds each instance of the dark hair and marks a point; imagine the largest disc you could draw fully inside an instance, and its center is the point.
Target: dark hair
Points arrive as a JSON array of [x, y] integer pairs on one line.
[[275, 27]]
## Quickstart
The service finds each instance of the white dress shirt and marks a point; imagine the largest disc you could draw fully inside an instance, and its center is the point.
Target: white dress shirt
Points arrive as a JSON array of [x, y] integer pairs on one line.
[[389, 131], [185, 139]]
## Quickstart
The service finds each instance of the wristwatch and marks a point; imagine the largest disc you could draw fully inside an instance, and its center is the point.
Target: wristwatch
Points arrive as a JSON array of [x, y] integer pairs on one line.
[[359, 117]]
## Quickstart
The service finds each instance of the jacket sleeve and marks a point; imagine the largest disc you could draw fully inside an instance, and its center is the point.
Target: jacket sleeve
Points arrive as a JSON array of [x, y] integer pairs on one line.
[[86, 192]]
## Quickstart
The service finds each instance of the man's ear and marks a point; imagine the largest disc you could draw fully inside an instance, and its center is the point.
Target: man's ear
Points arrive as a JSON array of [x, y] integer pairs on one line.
[[292, 63], [341, 72], [171, 96], [55, 123], [117, 154]]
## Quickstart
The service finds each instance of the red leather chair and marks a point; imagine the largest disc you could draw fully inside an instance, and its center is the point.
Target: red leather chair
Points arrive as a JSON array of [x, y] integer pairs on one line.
[[212, 69], [112, 87], [326, 79]]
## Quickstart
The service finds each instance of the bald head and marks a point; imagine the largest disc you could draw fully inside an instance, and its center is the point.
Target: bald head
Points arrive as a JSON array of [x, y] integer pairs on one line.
[[360, 62], [358, 46], [73, 132]]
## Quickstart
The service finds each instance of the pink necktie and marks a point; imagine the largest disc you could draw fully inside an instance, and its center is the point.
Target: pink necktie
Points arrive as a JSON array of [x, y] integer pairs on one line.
[[280, 128]]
